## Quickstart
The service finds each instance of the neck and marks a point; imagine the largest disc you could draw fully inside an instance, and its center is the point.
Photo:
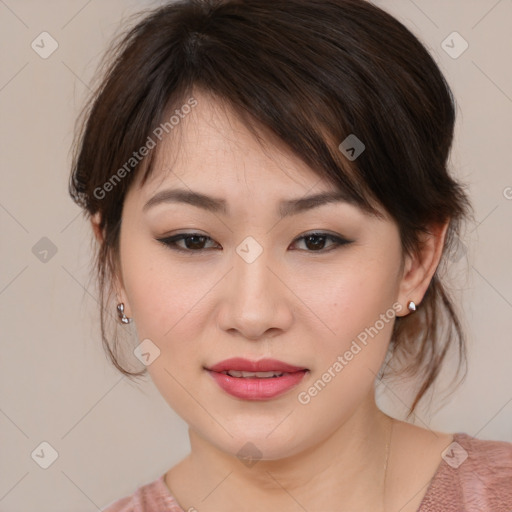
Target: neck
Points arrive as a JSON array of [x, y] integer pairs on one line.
[[343, 471]]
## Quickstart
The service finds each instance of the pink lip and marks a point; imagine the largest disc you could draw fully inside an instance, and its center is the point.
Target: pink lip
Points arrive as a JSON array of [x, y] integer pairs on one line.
[[256, 388], [263, 365]]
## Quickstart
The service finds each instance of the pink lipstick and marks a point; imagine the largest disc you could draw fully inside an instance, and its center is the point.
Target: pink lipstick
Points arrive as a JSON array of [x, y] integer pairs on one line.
[[256, 380]]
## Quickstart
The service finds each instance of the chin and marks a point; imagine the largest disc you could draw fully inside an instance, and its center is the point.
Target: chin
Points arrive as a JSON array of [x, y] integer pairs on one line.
[[259, 442]]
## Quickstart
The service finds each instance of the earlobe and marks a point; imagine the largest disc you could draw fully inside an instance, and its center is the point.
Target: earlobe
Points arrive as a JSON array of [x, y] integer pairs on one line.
[[421, 266]]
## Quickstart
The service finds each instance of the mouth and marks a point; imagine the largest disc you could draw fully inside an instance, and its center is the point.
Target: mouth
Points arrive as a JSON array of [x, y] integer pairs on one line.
[[256, 380]]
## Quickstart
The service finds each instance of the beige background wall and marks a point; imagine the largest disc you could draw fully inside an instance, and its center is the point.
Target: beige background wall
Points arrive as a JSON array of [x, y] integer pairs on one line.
[[56, 385]]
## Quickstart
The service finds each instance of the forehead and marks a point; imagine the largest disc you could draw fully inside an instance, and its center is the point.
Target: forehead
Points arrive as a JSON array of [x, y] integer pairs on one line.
[[211, 150], [212, 144]]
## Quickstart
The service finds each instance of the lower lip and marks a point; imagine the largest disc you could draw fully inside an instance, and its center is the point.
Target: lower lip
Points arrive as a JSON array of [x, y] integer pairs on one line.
[[257, 389]]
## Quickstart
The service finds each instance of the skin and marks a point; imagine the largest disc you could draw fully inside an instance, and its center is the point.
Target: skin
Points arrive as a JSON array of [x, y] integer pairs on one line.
[[296, 303]]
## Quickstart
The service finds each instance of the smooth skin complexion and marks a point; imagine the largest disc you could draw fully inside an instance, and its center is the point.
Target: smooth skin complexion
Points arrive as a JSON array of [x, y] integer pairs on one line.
[[300, 301]]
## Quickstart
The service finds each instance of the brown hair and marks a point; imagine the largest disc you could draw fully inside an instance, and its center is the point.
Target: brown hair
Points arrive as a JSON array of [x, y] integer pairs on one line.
[[310, 72]]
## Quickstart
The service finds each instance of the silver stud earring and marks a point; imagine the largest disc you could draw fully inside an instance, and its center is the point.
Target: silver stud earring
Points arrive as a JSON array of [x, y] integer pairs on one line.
[[411, 306], [120, 311]]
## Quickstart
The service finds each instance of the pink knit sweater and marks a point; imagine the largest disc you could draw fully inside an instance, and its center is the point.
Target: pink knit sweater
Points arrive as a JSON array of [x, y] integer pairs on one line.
[[474, 476]]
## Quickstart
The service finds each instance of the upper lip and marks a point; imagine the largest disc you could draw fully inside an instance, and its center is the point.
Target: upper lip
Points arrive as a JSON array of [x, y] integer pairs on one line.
[[263, 365]]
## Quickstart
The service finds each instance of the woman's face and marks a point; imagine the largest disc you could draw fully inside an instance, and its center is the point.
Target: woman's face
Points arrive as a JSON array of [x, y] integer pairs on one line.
[[254, 288]]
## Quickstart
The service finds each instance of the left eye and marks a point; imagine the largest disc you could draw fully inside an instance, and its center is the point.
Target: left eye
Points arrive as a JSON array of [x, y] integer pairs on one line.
[[317, 241], [194, 242]]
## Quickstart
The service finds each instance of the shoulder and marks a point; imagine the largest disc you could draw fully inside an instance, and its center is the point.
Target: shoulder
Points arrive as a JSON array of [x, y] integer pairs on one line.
[[474, 474], [147, 498], [486, 465]]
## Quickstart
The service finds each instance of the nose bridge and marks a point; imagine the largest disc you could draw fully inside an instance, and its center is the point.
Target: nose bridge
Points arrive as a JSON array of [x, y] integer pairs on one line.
[[252, 302], [252, 277]]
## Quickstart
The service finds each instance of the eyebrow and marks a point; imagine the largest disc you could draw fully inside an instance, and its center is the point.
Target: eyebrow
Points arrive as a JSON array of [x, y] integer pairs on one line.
[[217, 205]]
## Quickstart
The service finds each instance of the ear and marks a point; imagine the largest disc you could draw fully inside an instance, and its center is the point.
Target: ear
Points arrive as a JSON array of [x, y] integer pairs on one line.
[[117, 280], [95, 222], [420, 268]]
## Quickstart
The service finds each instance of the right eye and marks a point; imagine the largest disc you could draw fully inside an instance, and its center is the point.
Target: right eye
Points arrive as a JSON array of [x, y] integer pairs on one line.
[[194, 242]]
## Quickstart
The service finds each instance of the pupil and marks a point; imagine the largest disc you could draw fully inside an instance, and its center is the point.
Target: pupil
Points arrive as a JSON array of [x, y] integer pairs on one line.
[[196, 245], [313, 237]]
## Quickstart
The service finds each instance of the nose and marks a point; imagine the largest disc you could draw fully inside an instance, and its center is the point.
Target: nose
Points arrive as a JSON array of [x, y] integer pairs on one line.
[[255, 302]]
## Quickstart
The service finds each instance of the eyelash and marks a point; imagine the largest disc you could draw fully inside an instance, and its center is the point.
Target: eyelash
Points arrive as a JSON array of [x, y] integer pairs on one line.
[[170, 242]]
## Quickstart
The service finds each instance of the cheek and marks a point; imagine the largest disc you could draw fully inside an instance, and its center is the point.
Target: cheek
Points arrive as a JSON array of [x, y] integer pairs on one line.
[[161, 295], [347, 301]]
